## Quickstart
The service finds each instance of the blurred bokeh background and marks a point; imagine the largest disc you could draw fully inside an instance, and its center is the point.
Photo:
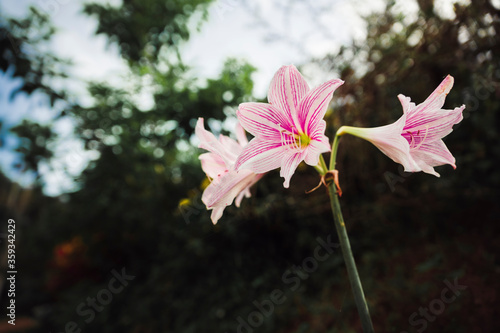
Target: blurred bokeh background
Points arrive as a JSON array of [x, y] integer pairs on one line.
[[100, 170]]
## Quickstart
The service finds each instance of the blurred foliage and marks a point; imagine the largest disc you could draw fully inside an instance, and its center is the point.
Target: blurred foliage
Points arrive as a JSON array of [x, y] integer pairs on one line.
[[24, 55], [21, 50], [143, 29], [35, 143], [139, 208]]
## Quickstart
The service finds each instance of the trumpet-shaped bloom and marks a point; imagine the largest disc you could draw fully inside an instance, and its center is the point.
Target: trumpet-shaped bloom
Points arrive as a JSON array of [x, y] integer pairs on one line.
[[218, 164], [290, 128], [415, 139]]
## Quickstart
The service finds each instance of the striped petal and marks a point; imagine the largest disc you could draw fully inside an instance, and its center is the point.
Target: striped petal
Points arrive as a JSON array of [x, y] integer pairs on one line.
[[222, 191], [209, 142], [261, 156], [389, 140], [288, 166], [315, 149], [313, 106], [287, 89], [429, 155], [263, 120], [435, 100], [427, 121], [227, 184], [432, 126], [319, 131]]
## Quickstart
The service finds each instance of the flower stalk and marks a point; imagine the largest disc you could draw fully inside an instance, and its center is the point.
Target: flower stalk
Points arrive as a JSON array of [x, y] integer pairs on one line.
[[335, 147], [321, 167], [352, 271]]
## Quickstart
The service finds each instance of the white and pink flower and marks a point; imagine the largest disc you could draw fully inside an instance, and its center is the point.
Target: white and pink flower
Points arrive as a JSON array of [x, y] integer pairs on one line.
[[415, 139], [226, 183], [290, 128]]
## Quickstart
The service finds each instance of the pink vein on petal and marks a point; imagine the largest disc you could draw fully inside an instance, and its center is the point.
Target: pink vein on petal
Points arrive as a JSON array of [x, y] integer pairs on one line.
[[260, 156]]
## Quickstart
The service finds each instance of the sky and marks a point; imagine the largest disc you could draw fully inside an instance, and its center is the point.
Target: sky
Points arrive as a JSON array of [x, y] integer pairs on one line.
[[268, 34]]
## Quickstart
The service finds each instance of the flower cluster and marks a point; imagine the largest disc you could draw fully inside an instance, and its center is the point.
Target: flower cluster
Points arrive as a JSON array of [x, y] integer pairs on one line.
[[290, 129]]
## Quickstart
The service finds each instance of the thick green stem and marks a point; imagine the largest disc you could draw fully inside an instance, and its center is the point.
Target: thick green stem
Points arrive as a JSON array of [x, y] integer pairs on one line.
[[352, 271]]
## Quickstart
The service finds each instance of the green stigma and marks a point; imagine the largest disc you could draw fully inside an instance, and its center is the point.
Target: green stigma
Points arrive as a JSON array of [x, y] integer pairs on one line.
[[303, 140]]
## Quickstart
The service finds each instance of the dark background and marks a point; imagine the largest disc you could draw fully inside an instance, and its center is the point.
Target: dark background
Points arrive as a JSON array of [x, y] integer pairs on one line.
[[138, 205]]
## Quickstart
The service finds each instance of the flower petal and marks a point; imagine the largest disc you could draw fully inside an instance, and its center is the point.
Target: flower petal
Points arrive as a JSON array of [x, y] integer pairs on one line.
[[216, 214], [261, 156], [406, 103], [241, 135], [432, 126], [287, 89], [289, 165], [313, 106], [230, 145], [210, 143], [428, 115], [246, 192], [426, 167], [435, 101], [433, 154], [212, 165], [319, 133], [222, 191], [389, 140], [315, 149], [263, 120]]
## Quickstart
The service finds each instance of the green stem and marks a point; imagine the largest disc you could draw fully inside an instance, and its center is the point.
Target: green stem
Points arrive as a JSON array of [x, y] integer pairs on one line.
[[335, 147], [322, 168], [352, 271]]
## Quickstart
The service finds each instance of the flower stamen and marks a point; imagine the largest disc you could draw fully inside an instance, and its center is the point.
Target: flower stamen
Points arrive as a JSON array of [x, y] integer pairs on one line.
[[412, 139], [294, 139], [425, 136]]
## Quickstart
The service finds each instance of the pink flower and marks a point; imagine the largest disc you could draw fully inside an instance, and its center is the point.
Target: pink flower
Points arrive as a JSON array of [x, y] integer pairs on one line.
[[415, 140], [227, 183], [288, 130]]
